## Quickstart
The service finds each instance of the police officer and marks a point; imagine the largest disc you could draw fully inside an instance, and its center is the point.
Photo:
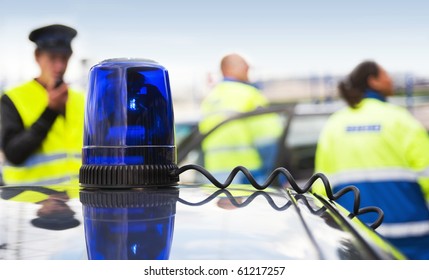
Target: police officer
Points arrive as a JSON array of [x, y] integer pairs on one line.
[[384, 151], [237, 142], [42, 119]]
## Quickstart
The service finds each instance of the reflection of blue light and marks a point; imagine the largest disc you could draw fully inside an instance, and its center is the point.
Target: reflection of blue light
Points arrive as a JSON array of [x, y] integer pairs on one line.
[[129, 232], [133, 224], [143, 90], [134, 249], [129, 120], [132, 105]]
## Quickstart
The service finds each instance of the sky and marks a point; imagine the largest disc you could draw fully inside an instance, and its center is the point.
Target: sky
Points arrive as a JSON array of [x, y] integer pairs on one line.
[[281, 39]]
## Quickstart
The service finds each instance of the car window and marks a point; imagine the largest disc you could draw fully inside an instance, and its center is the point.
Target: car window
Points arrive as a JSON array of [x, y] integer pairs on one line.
[[305, 130]]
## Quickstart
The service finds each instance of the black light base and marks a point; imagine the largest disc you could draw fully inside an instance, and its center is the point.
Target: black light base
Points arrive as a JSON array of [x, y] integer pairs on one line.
[[128, 176]]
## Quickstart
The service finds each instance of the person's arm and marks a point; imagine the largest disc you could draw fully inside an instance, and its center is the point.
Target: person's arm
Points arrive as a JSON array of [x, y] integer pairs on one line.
[[17, 142]]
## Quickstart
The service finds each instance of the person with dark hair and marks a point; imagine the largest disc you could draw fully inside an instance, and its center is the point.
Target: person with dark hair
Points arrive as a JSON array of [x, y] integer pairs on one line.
[[353, 89], [382, 150], [42, 119]]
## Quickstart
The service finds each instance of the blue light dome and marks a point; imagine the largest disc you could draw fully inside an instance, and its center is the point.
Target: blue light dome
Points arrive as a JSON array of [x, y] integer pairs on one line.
[[129, 126]]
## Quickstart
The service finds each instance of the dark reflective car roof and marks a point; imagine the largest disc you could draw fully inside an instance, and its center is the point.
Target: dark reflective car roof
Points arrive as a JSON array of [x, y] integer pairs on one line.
[[239, 222]]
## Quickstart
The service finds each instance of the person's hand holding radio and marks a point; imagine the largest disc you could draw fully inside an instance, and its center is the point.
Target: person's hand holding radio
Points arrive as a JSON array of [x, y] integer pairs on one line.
[[57, 96]]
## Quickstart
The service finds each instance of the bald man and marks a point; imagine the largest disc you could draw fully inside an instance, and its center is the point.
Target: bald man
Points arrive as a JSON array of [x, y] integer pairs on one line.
[[234, 67], [237, 143]]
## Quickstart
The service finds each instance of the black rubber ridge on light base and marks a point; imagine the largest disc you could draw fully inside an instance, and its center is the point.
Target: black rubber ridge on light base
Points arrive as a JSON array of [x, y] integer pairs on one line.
[[128, 176]]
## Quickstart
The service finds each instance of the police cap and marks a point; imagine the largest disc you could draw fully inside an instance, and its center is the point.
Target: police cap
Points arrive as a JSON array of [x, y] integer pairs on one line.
[[54, 38]]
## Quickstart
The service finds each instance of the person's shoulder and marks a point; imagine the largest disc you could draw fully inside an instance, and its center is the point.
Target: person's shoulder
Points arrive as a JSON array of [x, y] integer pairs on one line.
[[339, 114], [76, 91], [382, 105], [396, 108], [232, 89], [20, 87], [391, 110], [396, 115], [382, 109], [237, 85], [338, 118]]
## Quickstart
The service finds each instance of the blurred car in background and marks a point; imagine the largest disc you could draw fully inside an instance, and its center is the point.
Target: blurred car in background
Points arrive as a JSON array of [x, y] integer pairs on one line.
[[302, 124]]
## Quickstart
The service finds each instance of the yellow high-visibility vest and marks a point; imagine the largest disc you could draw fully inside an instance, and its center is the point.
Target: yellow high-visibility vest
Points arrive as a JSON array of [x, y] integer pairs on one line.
[[384, 151], [234, 143], [58, 159]]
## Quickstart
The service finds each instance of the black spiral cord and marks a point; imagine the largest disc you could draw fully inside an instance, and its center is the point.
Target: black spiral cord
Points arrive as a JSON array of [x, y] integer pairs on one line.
[[280, 170], [235, 202]]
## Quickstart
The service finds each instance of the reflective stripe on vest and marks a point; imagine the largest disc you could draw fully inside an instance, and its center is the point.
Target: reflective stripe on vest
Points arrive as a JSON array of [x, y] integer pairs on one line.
[[400, 230], [43, 170], [374, 175], [58, 159]]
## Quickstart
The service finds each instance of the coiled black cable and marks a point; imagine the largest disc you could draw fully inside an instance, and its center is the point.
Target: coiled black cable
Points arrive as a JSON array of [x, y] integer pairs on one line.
[[235, 202], [283, 171]]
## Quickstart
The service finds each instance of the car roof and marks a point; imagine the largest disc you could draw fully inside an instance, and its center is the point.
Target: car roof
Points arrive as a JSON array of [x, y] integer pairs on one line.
[[275, 223], [239, 222]]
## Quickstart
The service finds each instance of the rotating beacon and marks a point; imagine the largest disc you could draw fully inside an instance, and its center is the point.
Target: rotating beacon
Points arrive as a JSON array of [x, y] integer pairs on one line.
[[129, 126]]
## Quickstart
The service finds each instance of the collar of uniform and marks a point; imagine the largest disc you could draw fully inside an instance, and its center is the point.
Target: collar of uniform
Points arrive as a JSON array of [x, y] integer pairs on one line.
[[226, 79], [369, 93]]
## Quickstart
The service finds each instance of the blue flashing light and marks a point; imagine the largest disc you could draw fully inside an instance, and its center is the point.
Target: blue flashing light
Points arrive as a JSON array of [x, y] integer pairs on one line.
[[129, 125]]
